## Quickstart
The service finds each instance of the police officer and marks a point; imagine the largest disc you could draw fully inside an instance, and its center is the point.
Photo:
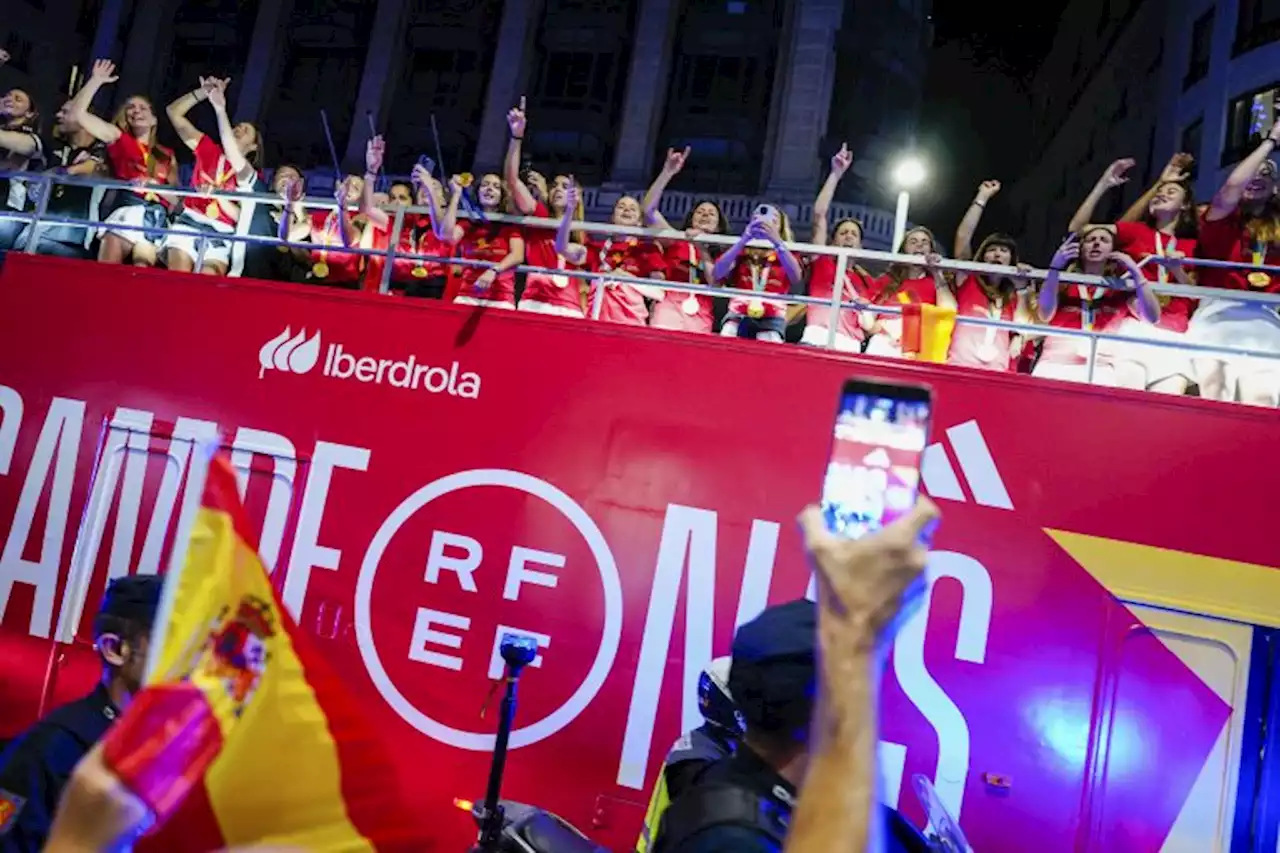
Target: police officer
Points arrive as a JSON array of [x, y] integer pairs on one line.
[[35, 767], [743, 803], [698, 748]]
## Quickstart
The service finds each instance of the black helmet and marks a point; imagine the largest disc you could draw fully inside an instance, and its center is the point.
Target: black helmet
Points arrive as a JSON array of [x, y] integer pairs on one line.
[[714, 699]]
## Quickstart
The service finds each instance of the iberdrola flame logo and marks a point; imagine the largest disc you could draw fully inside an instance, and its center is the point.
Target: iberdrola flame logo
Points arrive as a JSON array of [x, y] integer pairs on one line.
[[289, 353]]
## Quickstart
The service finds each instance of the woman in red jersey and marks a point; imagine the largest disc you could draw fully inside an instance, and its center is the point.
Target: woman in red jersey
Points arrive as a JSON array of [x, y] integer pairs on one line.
[[685, 260], [996, 297], [851, 332], [1165, 225], [418, 231], [760, 263], [225, 167], [499, 246], [331, 266], [544, 293], [616, 260], [905, 283], [1243, 225], [1091, 308], [136, 157]]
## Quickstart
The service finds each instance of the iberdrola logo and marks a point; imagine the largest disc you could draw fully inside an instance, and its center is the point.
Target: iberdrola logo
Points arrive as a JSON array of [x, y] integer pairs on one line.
[[289, 353]]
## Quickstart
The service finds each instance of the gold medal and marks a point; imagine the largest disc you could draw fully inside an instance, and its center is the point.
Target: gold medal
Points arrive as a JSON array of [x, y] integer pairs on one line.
[[212, 210], [419, 272], [755, 310], [690, 305], [1258, 279], [465, 179], [320, 269]]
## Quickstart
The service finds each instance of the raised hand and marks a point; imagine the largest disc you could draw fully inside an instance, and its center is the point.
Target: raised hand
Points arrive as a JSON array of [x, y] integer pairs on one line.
[[293, 190], [864, 581], [1178, 169], [374, 151], [341, 191], [103, 72], [931, 261], [1067, 252], [420, 175], [217, 97], [517, 120], [4, 56], [841, 160], [456, 185], [1117, 173], [987, 190], [675, 160], [571, 195]]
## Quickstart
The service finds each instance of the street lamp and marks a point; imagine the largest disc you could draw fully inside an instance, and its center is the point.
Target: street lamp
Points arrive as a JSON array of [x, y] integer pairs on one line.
[[908, 174]]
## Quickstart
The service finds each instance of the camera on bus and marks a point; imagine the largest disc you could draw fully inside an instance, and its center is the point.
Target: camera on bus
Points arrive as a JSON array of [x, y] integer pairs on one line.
[[518, 650]]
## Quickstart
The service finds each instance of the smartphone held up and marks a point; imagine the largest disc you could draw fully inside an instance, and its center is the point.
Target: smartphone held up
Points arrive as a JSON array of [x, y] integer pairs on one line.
[[878, 442]]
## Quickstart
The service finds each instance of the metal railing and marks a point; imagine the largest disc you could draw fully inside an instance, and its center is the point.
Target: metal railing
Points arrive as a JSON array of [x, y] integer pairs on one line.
[[39, 218]]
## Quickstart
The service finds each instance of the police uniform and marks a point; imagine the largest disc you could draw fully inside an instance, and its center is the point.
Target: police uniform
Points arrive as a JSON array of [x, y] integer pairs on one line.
[[695, 751], [37, 765], [741, 804]]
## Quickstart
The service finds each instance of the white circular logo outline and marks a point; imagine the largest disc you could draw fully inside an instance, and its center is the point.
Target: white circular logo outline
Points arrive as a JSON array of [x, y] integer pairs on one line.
[[610, 639]]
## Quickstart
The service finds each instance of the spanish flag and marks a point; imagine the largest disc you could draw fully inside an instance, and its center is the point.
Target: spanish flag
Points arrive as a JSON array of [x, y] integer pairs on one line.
[[926, 331], [243, 734]]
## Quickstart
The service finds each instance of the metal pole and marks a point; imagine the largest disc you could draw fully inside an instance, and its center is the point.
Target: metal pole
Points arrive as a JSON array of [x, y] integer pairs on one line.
[[837, 296], [900, 220], [200, 254], [1093, 355], [42, 207], [393, 243], [597, 299]]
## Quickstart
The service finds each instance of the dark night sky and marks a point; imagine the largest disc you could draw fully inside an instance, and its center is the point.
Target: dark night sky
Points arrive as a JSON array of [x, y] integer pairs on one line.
[[975, 120]]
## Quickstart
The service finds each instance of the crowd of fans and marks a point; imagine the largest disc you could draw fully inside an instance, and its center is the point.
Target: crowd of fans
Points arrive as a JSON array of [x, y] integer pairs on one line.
[[1157, 241]]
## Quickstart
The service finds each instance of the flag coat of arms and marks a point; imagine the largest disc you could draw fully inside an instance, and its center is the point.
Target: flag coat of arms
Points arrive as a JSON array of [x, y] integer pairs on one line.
[[243, 733]]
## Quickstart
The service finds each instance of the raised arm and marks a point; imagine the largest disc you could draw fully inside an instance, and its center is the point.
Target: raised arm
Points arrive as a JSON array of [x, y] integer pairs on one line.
[[178, 109], [373, 155], [446, 225], [573, 253], [294, 225], [1228, 197], [790, 266], [725, 263], [520, 194], [217, 97], [969, 223], [653, 196], [103, 72], [862, 587], [840, 163], [1176, 170], [347, 229], [1114, 176], [1047, 305]]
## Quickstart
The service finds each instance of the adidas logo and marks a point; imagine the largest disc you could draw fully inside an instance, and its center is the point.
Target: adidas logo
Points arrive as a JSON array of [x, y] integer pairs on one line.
[[288, 354], [976, 465]]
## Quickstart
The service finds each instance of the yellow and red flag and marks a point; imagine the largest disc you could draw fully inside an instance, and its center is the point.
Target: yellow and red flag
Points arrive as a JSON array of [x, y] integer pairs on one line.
[[926, 331], [243, 722]]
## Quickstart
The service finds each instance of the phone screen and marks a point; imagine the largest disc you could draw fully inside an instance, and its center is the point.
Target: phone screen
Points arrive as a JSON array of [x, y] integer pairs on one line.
[[873, 474]]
